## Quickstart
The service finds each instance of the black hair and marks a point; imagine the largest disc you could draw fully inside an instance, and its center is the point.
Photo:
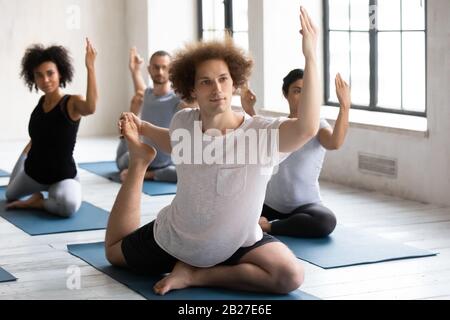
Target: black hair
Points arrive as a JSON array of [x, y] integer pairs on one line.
[[292, 76], [160, 53], [37, 54]]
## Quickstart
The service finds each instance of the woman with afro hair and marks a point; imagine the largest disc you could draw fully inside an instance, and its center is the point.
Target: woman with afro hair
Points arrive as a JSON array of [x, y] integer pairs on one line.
[[47, 163]]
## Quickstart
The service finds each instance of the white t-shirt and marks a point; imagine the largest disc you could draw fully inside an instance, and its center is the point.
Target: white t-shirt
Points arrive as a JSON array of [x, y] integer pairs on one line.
[[296, 182], [217, 206]]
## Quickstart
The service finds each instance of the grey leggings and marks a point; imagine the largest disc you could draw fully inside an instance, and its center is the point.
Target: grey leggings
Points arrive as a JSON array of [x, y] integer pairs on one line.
[[168, 174], [64, 197]]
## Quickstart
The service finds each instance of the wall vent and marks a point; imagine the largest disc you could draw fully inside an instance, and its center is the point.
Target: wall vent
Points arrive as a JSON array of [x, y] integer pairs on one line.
[[377, 165]]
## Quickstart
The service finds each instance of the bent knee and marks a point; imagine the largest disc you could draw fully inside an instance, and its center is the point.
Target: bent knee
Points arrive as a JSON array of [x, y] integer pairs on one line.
[[69, 208], [65, 207], [114, 255], [289, 278], [9, 195], [326, 226]]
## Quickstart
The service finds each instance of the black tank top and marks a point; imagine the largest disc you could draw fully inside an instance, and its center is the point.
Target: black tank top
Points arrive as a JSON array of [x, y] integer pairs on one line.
[[53, 137]]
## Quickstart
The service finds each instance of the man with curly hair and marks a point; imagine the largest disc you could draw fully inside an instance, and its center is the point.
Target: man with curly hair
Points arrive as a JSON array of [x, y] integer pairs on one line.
[[209, 235], [47, 163]]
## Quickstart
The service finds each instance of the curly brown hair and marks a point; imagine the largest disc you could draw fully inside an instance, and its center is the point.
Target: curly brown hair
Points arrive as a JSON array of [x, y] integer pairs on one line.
[[183, 67], [37, 54]]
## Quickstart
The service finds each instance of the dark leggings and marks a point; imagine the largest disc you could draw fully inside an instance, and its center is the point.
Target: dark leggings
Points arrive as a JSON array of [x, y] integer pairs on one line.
[[308, 221]]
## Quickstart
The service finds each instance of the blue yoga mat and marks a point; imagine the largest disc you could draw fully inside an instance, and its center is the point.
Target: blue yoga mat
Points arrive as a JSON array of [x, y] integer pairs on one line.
[[94, 254], [109, 170], [37, 222], [3, 174], [6, 276], [348, 247]]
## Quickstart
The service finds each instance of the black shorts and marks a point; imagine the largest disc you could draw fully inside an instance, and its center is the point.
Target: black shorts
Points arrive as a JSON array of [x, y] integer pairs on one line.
[[143, 255]]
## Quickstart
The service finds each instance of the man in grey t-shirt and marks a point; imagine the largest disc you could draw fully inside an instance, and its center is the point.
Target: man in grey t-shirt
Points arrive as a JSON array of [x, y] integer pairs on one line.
[[157, 105]]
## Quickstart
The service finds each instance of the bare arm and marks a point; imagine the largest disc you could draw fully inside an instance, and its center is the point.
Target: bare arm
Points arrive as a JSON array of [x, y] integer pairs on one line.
[[27, 148], [136, 103], [160, 136], [248, 100], [294, 133], [333, 140], [84, 107], [135, 68]]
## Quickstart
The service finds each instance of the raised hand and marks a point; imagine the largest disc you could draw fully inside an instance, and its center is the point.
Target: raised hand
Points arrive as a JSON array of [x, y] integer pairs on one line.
[[91, 54], [343, 92], [248, 100], [135, 60], [309, 33]]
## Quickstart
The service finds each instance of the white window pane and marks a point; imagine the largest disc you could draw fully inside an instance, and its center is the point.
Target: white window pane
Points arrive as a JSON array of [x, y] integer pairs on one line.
[[388, 14], [241, 39], [389, 70], [339, 14], [214, 35], [360, 68], [413, 14], [339, 59], [240, 15], [414, 71], [359, 15], [213, 14]]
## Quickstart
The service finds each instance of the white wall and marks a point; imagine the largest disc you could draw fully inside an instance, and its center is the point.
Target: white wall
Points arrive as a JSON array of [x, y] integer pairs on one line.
[[423, 162], [154, 25], [24, 22], [136, 27], [256, 31], [172, 23]]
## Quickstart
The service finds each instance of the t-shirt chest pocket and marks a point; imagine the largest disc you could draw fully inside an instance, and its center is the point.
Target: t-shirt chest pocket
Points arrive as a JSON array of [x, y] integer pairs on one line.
[[231, 180]]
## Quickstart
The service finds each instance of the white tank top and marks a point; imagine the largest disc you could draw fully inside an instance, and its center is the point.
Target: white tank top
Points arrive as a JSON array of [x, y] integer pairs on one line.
[[296, 182]]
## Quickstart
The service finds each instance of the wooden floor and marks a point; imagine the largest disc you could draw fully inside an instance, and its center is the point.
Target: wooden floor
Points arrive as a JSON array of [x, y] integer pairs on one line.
[[41, 262]]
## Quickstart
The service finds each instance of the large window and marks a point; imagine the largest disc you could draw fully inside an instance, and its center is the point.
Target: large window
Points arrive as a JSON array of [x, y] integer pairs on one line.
[[379, 45], [216, 17]]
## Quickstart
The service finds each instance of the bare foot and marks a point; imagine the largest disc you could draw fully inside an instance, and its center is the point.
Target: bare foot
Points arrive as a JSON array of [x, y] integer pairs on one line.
[[180, 278], [140, 153], [123, 175], [265, 224], [149, 175], [36, 201]]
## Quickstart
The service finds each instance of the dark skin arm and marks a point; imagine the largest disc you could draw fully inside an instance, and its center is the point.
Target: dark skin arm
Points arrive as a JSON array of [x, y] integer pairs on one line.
[[78, 106]]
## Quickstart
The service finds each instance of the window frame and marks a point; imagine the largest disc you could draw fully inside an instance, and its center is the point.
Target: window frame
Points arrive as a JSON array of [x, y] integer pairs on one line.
[[373, 68], [228, 6]]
